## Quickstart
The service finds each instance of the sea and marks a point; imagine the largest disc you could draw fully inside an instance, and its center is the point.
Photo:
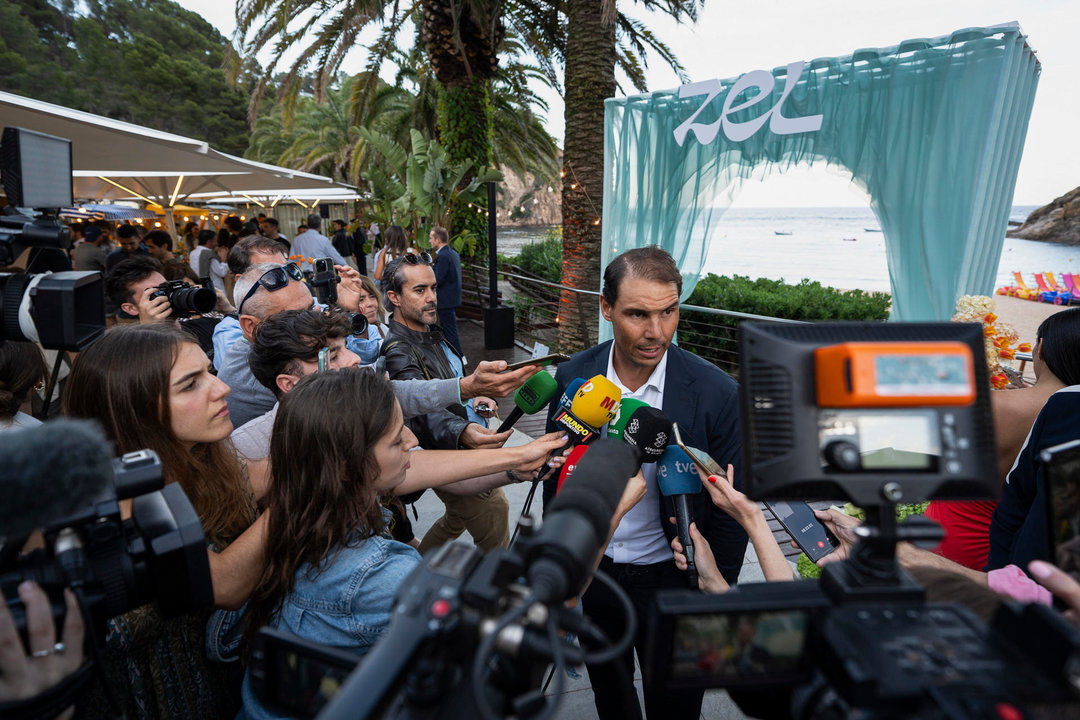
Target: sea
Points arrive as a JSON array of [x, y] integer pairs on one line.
[[839, 247]]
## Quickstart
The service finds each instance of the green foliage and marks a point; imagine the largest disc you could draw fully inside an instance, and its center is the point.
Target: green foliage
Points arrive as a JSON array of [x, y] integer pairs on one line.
[[148, 62], [713, 336], [806, 568], [543, 258]]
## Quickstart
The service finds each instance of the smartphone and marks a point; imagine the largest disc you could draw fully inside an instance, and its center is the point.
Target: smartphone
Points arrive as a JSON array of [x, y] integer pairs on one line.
[[1062, 465], [324, 359], [296, 677], [809, 533], [704, 463], [553, 359]]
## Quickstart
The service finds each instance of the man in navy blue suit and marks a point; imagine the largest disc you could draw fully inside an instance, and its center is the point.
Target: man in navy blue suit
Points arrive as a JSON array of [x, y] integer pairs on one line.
[[641, 300], [447, 267]]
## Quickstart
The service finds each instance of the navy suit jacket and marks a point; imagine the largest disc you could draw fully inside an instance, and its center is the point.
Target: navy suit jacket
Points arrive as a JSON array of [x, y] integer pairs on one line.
[[704, 400], [447, 267]]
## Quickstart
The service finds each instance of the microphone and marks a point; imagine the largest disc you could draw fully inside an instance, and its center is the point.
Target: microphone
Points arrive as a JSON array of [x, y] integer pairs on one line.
[[626, 409], [571, 463], [678, 479], [530, 398], [577, 524], [50, 472], [568, 394], [647, 431], [594, 404]]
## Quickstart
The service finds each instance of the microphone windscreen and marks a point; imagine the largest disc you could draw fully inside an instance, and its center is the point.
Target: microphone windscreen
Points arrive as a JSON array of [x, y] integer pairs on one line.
[[626, 408], [51, 471], [648, 430], [568, 394], [596, 402], [676, 473], [535, 393], [571, 463], [599, 480]]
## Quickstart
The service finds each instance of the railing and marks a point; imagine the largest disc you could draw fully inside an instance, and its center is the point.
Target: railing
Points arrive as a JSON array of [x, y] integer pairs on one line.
[[708, 332]]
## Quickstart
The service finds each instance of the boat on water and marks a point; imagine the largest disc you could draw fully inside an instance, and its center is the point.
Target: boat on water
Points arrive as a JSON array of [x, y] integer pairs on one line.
[[848, 239], [783, 232], [872, 229]]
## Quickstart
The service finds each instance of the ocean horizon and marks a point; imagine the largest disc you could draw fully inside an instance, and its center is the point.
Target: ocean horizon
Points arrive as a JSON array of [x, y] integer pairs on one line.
[[842, 247]]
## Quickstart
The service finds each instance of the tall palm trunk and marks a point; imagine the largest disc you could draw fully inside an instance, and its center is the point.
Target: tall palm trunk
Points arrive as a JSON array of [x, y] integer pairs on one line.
[[590, 77], [463, 51]]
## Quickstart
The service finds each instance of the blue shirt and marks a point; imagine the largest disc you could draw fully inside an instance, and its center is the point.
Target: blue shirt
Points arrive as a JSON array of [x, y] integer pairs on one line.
[[311, 244], [347, 604], [226, 333]]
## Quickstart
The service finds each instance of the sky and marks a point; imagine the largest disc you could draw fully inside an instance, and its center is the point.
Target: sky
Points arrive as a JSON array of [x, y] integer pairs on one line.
[[731, 38]]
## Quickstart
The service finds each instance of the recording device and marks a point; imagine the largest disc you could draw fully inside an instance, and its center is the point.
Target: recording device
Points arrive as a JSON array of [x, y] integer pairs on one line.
[[296, 677], [648, 431], [678, 479], [530, 398], [185, 300], [63, 310], [626, 408], [544, 361], [1062, 468], [798, 518], [471, 634], [325, 279], [595, 402], [876, 414]]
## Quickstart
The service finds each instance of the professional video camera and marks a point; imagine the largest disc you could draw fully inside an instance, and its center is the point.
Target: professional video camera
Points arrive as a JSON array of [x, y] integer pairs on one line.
[[876, 414], [62, 310], [185, 300], [59, 478], [471, 634]]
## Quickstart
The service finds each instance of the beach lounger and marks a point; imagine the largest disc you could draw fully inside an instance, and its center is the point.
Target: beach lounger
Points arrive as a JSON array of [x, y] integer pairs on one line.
[[1064, 295], [1045, 294], [1021, 289], [1072, 284]]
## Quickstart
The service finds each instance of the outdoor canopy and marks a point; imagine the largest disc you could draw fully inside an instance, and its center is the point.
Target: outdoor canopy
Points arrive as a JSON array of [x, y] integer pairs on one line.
[[932, 130]]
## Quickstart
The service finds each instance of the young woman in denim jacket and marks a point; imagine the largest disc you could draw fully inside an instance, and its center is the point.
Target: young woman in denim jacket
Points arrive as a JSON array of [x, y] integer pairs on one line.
[[332, 570]]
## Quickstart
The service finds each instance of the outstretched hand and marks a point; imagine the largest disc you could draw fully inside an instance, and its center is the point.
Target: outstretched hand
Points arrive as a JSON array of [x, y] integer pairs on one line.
[[1061, 584], [490, 379], [723, 494], [842, 526], [709, 578]]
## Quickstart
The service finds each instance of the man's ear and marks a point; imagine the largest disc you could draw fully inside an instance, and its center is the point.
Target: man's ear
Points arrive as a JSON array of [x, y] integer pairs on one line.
[[248, 324], [130, 308], [393, 298], [605, 309], [285, 383]]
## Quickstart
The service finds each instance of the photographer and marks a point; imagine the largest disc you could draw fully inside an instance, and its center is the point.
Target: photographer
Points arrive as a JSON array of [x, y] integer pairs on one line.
[[150, 386], [28, 673]]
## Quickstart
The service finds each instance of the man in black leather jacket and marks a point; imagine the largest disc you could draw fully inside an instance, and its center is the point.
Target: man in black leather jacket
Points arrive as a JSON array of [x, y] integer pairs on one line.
[[415, 348]]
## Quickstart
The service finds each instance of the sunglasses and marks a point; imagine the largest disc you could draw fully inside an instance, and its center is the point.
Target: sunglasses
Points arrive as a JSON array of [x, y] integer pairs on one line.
[[273, 279]]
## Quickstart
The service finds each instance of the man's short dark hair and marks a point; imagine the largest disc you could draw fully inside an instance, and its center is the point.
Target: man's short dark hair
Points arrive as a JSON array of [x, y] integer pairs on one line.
[[205, 236], [282, 341], [126, 273], [261, 216], [240, 254], [314, 221], [179, 270], [272, 221], [647, 263], [160, 238], [441, 233], [127, 231], [340, 223]]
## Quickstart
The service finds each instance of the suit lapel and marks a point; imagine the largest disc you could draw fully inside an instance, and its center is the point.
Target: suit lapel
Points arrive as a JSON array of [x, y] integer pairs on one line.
[[680, 397]]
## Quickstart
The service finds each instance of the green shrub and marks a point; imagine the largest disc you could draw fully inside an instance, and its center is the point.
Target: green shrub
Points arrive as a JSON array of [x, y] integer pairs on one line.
[[713, 336], [543, 258]]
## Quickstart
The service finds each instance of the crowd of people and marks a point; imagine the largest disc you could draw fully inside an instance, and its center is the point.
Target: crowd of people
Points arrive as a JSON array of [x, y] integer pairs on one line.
[[299, 431]]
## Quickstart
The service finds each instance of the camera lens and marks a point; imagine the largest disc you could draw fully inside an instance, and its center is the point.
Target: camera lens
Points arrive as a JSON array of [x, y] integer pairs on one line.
[[193, 300]]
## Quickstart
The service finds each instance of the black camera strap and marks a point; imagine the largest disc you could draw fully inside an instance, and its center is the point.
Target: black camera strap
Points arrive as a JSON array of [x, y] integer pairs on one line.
[[52, 702]]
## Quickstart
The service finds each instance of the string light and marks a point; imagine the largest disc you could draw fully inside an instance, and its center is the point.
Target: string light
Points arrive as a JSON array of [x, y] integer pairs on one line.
[[157, 224]]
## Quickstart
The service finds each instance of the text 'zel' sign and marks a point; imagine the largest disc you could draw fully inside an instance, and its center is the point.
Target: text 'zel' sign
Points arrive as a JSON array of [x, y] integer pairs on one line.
[[764, 81]]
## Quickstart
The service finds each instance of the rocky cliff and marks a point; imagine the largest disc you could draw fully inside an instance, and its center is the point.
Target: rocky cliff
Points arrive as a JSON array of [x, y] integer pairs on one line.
[[528, 201], [1057, 222]]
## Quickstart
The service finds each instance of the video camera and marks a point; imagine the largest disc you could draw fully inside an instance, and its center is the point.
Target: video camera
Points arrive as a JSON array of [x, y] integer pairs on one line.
[[471, 634], [62, 310], [876, 414], [185, 300]]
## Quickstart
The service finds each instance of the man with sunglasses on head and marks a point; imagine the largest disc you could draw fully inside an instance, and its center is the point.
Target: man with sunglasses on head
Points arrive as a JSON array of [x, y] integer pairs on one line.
[[415, 348]]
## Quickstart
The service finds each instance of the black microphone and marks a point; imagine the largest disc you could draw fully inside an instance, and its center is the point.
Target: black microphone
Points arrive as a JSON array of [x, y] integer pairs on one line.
[[647, 431], [50, 472], [576, 526]]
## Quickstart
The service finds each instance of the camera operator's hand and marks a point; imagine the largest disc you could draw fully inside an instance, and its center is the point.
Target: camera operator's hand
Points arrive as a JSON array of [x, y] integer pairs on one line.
[[27, 674], [223, 305], [348, 290], [474, 436], [709, 578], [153, 310], [843, 527], [489, 379], [1064, 587]]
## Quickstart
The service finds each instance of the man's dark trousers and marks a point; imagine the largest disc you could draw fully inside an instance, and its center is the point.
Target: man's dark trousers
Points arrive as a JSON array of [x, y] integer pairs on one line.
[[447, 267]]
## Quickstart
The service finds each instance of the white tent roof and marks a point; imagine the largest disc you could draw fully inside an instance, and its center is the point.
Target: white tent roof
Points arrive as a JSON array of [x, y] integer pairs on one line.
[[146, 163]]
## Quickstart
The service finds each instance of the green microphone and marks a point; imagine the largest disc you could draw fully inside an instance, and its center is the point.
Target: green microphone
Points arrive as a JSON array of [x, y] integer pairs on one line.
[[530, 398], [616, 427]]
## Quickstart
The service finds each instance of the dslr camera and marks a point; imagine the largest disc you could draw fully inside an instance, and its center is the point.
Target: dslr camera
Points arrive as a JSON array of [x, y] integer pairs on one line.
[[61, 310], [186, 300]]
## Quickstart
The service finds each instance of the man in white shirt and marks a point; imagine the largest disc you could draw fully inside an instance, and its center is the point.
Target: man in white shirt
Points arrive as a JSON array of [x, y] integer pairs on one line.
[[312, 244]]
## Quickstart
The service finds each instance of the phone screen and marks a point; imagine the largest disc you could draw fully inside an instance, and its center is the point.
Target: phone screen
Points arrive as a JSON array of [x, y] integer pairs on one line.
[[1062, 464], [805, 529], [297, 677]]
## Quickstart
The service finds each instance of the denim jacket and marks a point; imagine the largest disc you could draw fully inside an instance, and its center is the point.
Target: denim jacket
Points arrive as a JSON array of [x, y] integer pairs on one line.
[[346, 603]]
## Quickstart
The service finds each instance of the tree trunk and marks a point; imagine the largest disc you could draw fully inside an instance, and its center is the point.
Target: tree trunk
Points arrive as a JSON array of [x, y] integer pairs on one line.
[[590, 78], [465, 124]]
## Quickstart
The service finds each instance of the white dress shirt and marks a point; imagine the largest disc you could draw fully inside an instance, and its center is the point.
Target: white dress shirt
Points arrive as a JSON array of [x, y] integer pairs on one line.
[[640, 539]]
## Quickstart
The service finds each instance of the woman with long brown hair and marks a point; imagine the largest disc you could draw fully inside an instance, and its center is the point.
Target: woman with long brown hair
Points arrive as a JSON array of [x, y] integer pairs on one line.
[[150, 386], [332, 569]]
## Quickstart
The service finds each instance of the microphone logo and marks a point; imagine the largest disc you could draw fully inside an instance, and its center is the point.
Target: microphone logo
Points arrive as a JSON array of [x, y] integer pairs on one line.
[[661, 440], [586, 388], [608, 403], [633, 426]]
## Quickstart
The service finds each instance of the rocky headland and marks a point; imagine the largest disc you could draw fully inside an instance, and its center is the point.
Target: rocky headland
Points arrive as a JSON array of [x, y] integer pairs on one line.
[[1058, 222]]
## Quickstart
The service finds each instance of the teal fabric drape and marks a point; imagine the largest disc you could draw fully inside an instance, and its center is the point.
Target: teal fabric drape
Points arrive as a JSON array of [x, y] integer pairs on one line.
[[932, 130]]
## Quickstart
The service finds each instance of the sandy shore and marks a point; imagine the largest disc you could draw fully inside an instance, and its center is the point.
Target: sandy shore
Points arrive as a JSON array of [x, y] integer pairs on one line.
[[1024, 315]]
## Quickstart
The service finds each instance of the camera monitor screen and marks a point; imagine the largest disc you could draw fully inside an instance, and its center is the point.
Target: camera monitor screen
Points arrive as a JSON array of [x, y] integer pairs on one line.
[[1062, 468], [35, 169], [739, 649]]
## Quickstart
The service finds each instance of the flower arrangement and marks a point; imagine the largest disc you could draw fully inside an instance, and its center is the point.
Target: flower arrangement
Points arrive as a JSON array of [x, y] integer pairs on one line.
[[999, 337], [301, 258]]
